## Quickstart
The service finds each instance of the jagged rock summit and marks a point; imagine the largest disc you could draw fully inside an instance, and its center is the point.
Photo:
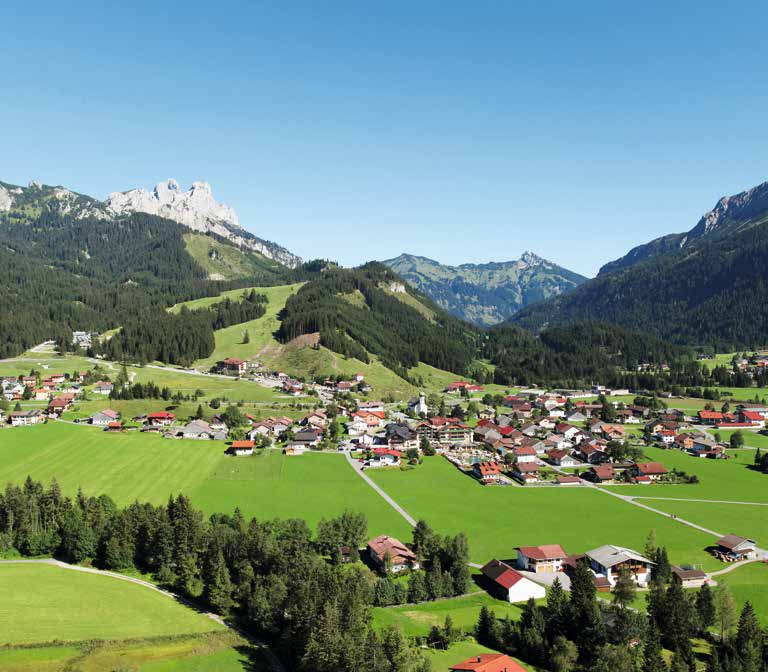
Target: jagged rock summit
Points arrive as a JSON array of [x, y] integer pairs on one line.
[[197, 209]]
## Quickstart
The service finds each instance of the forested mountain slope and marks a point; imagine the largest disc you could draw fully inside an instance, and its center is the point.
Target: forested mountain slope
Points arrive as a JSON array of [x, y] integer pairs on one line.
[[489, 293], [709, 287], [65, 267]]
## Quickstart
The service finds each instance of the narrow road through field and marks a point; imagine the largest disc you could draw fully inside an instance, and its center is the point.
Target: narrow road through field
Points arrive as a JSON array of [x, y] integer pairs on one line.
[[358, 468], [274, 660], [704, 501]]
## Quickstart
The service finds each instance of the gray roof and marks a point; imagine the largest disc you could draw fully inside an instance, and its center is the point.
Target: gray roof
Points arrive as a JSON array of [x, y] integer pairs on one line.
[[608, 556]]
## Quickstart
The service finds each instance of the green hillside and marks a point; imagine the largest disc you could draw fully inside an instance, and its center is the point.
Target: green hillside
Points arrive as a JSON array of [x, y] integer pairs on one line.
[[223, 261], [708, 288]]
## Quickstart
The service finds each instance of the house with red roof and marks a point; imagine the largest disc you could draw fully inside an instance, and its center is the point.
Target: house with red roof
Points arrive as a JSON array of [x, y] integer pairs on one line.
[[487, 472], [541, 559], [525, 454], [385, 457], [667, 436], [710, 417], [507, 582], [488, 662], [648, 470], [160, 419], [561, 458], [753, 418], [242, 447], [603, 473], [391, 555]]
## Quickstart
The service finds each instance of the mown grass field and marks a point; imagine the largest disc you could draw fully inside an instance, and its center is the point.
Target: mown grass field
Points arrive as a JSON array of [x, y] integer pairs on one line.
[[746, 520], [719, 479], [146, 467], [54, 619], [416, 620], [497, 519], [750, 583], [42, 603]]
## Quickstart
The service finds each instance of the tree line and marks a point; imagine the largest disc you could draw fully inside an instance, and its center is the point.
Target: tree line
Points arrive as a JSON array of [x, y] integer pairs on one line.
[[275, 577]]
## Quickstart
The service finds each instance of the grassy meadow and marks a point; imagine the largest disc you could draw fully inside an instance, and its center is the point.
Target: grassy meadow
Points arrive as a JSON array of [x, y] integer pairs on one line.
[[138, 466], [54, 619], [42, 603], [497, 519], [730, 479]]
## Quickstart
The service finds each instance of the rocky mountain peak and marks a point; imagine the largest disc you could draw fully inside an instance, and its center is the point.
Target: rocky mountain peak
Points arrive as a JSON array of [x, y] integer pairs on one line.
[[197, 209]]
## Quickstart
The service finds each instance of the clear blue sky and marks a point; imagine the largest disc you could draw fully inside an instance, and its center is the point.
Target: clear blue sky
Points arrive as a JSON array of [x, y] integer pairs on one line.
[[461, 131]]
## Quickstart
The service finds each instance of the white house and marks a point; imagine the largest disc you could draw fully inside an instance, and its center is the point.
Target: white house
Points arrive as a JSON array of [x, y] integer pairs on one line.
[[103, 418], [512, 584], [608, 561], [541, 559]]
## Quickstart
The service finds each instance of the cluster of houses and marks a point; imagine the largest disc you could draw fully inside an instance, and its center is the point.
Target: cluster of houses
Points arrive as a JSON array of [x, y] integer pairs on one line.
[[520, 579], [58, 391], [746, 415]]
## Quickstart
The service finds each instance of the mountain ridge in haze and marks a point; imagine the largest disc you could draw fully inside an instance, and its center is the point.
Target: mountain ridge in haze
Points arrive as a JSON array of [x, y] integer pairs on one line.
[[488, 293]]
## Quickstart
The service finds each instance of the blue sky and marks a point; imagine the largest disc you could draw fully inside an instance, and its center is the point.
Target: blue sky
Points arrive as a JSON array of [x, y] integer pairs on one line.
[[460, 131]]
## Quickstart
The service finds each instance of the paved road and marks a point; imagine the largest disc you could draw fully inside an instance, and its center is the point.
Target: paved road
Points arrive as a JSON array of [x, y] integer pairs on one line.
[[275, 662], [358, 468], [706, 501]]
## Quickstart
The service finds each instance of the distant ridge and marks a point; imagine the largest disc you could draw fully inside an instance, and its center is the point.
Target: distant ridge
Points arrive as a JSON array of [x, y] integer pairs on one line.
[[490, 293]]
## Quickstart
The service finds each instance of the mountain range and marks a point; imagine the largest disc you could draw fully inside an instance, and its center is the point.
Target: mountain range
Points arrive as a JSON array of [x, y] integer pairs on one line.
[[706, 286], [194, 208], [486, 294]]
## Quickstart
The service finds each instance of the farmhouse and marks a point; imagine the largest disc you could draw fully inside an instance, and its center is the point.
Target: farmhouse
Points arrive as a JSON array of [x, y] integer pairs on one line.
[[541, 559], [233, 366], [104, 387], [57, 406], [242, 447], [103, 418], [487, 472], [25, 418], [391, 555], [607, 561], [199, 429], [160, 419], [651, 470], [691, 577], [710, 417], [385, 457], [604, 473], [510, 583], [488, 662], [568, 480], [732, 548], [561, 458]]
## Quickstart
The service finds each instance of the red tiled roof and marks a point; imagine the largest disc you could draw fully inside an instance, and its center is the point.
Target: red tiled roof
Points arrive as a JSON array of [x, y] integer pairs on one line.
[[488, 662], [651, 468], [243, 444], [710, 415], [545, 552], [501, 574], [161, 415], [568, 479]]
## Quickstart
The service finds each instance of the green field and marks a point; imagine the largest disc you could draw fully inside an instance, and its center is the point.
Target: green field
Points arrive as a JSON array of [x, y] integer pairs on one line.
[[497, 519], [750, 583], [55, 619], [416, 620], [146, 467], [728, 480], [42, 603], [746, 520]]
